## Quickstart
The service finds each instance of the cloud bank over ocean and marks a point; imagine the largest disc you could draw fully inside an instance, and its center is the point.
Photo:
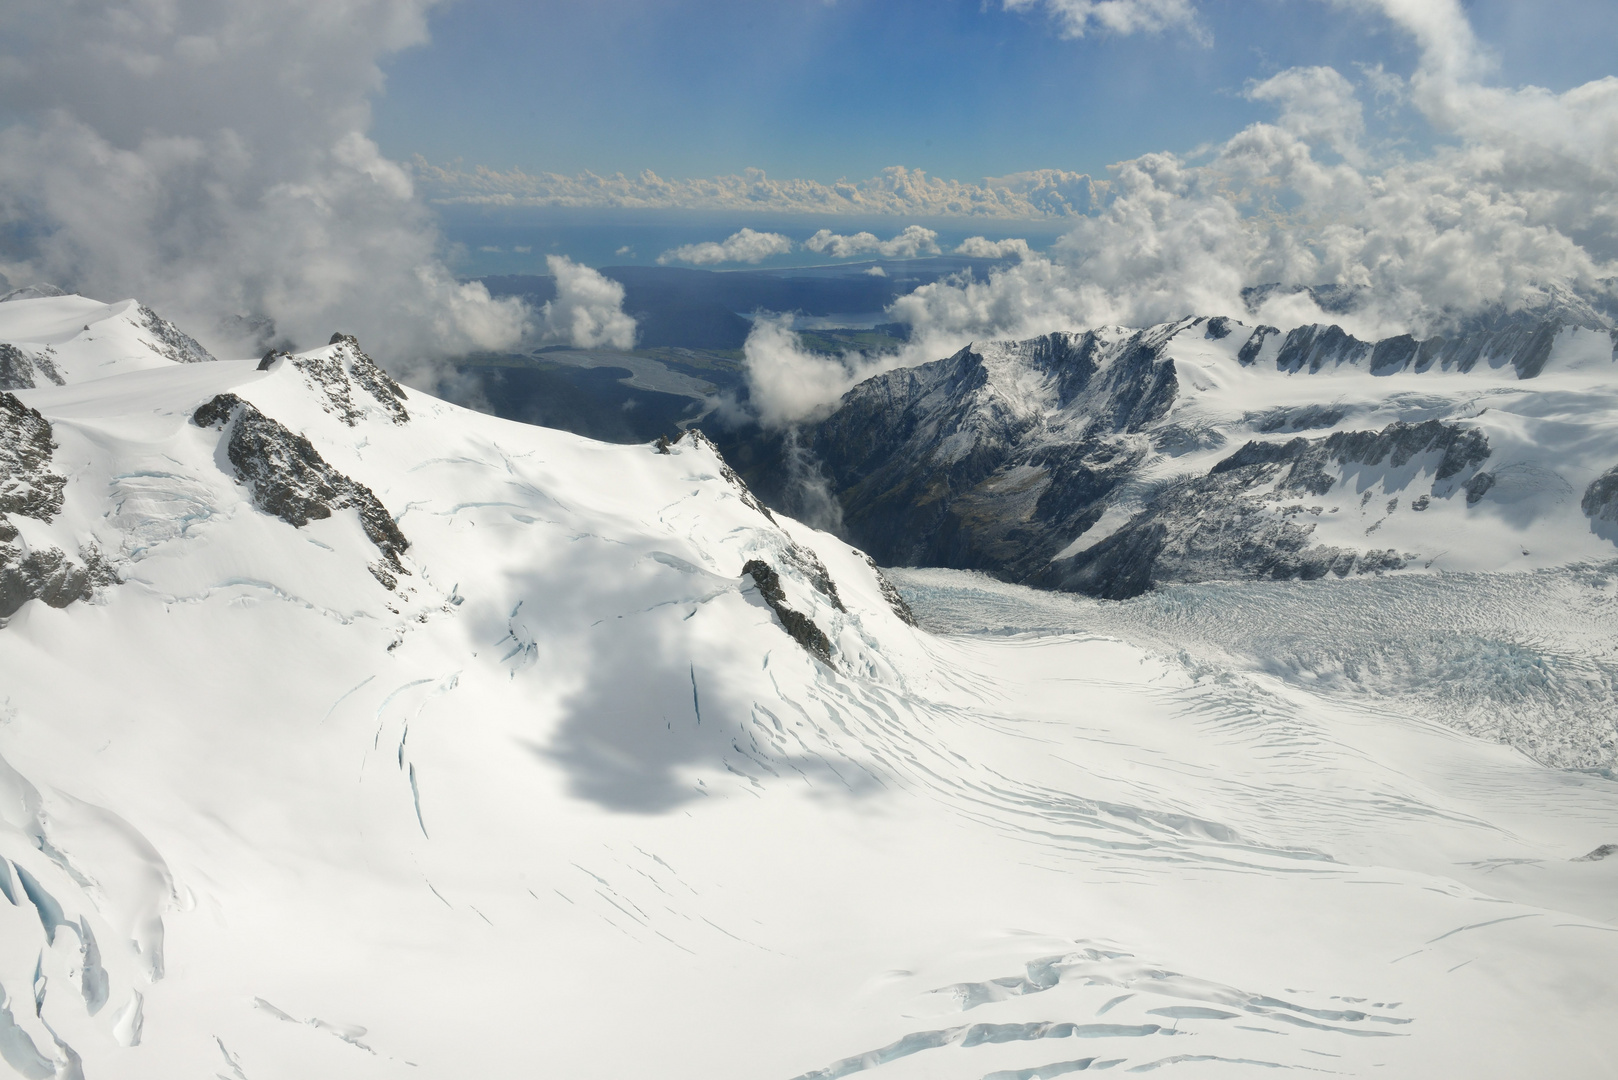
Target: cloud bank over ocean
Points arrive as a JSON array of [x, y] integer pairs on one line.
[[1042, 193]]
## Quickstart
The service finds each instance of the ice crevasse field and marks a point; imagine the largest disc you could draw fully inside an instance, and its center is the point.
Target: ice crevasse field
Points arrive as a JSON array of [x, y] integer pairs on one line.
[[524, 774]]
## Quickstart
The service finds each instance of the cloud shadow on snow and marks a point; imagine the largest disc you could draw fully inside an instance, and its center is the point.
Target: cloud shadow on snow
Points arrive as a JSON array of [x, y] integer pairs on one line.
[[658, 707]]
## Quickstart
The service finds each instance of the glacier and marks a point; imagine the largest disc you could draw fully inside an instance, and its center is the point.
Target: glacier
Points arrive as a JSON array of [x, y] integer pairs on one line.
[[391, 739]]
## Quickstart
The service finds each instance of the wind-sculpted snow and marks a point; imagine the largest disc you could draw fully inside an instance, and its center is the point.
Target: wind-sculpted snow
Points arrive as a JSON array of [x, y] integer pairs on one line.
[[570, 800], [51, 338], [1112, 461]]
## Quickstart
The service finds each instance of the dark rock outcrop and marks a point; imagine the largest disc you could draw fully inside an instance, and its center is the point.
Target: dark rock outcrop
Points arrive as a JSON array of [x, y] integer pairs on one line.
[[47, 574], [170, 341], [998, 457], [1523, 342], [337, 375], [29, 489], [290, 479], [22, 370], [944, 465], [1600, 502], [799, 626], [1312, 461], [27, 485], [1225, 525], [891, 593]]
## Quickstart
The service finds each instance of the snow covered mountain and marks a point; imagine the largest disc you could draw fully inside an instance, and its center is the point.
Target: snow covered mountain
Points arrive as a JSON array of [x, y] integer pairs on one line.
[[1203, 450], [376, 737]]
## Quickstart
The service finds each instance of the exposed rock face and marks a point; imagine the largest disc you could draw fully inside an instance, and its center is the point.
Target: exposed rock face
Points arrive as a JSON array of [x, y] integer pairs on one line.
[[1523, 344], [1309, 460], [953, 464], [998, 457], [1224, 526], [27, 486], [1600, 502], [49, 575], [29, 489], [170, 341], [801, 628], [21, 369], [290, 479], [336, 375], [891, 593], [992, 458]]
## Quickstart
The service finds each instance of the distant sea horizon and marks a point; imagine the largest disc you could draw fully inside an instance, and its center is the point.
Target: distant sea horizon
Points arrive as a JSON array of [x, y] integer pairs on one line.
[[515, 240]]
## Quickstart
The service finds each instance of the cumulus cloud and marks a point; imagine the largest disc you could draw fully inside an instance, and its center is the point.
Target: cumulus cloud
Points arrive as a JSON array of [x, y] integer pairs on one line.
[[745, 246], [981, 247], [787, 383], [898, 191], [913, 241], [588, 312], [211, 158], [1079, 17], [1514, 208]]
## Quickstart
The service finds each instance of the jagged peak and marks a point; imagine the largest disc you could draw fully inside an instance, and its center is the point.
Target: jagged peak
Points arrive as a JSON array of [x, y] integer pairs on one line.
[[335, 371], [171, 342]]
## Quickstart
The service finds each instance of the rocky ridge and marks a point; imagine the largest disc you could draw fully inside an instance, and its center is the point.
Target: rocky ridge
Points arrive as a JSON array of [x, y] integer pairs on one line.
[[335, 371], [290, 479], [1112, 461], [169, 341], [29, 489], [21, 369]]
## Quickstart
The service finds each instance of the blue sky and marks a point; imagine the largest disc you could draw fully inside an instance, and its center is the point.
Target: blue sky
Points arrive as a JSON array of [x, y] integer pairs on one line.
[[960, 88]]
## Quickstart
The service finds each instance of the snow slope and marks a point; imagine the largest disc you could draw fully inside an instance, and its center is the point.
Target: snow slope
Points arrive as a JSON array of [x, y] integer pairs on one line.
[[567, 799], [71, 339]]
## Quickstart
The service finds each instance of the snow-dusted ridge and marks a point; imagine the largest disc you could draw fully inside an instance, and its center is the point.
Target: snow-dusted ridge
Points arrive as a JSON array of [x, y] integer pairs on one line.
[[569, 799], [1203, 450]]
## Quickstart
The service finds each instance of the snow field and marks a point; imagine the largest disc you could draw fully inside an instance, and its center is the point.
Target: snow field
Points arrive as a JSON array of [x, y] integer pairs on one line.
[[570, 802]]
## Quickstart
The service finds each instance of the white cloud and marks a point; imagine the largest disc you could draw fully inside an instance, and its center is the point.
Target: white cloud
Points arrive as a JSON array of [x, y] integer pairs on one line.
[[588, 312], [1316, 104], [1079, 17], [522, 249], [981, 247], [745, 246], [876, 271], [787, 383], [625, 250], [211, 159], [913, 241], [1042, 193], [1516, 203]]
